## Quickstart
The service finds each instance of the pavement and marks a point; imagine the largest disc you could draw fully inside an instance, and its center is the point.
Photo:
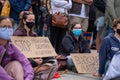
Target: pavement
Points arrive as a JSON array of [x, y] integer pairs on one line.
[[69, 75], [75, 76]]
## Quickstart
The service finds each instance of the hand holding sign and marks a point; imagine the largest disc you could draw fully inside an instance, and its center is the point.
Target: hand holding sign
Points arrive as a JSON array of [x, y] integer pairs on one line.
[[33, 47]]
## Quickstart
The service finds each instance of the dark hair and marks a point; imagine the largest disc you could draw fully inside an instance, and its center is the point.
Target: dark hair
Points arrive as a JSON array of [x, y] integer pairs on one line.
[[6, 17], [24, 17], [116, 22], [72, 25]]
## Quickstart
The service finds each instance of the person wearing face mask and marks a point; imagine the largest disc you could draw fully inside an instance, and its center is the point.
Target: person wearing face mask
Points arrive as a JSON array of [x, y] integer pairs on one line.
[[73, 42], [26, 25], [109, 47], [42, 66], [13, 64]]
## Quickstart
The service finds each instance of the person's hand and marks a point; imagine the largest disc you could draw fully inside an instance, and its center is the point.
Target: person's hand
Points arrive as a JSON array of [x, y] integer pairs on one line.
[[21, 14], [58, 56], [97, 75], [38, 60]]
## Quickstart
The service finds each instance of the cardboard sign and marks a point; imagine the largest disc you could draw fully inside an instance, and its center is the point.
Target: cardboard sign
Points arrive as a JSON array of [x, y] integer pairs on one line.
[[86, 63], [34, 46]]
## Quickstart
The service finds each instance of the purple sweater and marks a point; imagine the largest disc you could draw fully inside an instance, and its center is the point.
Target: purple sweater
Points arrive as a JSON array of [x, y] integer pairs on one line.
[[14, 54]]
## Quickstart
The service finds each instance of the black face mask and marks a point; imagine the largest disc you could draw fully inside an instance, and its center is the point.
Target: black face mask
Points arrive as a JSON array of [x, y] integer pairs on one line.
[[30, 24], [118, 31]]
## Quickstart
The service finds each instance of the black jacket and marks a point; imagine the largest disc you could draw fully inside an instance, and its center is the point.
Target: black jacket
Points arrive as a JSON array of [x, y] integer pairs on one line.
[[71, 45]]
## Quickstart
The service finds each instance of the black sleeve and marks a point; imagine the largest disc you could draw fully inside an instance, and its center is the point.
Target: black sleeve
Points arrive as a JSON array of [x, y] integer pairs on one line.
[[67, 44], [33, 63], [85, 47]]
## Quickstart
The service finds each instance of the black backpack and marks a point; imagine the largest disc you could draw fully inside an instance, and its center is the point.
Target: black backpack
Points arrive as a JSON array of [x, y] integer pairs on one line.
[[100, 5]]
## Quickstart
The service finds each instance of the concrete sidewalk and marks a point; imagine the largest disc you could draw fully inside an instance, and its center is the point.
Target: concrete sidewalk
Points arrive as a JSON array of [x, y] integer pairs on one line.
[[75, 76]]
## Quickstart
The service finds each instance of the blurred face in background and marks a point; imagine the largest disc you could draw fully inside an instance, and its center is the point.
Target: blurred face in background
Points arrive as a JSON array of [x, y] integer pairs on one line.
[[30, 21]]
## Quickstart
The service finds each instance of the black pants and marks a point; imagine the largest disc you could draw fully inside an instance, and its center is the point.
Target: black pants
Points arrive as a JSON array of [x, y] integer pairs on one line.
[[56, 36]]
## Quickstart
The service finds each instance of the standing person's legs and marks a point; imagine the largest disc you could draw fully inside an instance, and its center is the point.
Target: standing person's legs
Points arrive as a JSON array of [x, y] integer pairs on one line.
[[15, 70], [61, 33], [98, 41], [74, 19], [84, 23], [53, 35]]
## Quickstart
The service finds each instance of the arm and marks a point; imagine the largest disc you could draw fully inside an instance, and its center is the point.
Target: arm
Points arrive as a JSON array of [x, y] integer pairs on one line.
[[67, 44], [85, 47], [64, 4], [4, 75], [111, 9], [28, 70], [104, 50], [68, 6], [27, 5]]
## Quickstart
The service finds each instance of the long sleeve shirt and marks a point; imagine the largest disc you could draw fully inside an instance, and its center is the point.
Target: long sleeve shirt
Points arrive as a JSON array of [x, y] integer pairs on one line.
[[60, 6]]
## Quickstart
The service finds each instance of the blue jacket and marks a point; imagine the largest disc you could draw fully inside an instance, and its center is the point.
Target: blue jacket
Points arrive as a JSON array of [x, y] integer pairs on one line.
[[17, 6], [109, 46]]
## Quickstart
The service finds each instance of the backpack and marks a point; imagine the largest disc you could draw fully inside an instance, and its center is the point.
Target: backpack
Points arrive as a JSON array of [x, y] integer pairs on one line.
[[100, 5], [6, 9]]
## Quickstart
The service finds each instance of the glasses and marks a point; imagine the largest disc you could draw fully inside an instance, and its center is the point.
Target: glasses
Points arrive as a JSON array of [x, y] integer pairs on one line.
[[3, 28]]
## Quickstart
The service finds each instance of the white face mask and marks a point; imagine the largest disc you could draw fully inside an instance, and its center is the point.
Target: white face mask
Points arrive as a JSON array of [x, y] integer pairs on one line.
[[6, 33]]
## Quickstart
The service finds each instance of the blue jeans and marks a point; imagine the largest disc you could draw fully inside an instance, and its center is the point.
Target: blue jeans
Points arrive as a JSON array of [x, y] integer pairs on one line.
[[70, 63]]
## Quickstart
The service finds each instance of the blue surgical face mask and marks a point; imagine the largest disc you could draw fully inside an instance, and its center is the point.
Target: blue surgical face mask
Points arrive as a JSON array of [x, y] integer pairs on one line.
[[77, 32], [6, 33]]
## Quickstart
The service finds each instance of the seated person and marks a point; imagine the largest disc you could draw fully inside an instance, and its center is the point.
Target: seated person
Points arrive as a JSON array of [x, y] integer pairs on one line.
[[113, 72], [26, 29], [73, 42], [13, 64], [109, 46]]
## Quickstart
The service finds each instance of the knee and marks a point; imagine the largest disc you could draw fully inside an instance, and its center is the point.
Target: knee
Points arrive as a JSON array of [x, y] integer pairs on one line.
[[14, 66]]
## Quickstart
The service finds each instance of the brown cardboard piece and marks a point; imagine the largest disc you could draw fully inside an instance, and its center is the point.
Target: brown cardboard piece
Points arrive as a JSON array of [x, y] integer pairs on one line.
[[34, 46], [85, 63], [89, 2]]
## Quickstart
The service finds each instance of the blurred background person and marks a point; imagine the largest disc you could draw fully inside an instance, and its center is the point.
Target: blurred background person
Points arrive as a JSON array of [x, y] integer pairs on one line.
[[42, 66], [109, 46], [17, 8], [57, 33]]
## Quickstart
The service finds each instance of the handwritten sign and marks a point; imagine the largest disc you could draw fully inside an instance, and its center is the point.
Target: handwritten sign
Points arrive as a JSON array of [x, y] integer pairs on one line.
[[86, 63], [34, 46]]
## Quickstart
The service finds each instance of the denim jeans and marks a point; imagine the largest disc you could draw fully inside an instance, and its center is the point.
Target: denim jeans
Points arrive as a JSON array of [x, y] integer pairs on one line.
[[70, 63]]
